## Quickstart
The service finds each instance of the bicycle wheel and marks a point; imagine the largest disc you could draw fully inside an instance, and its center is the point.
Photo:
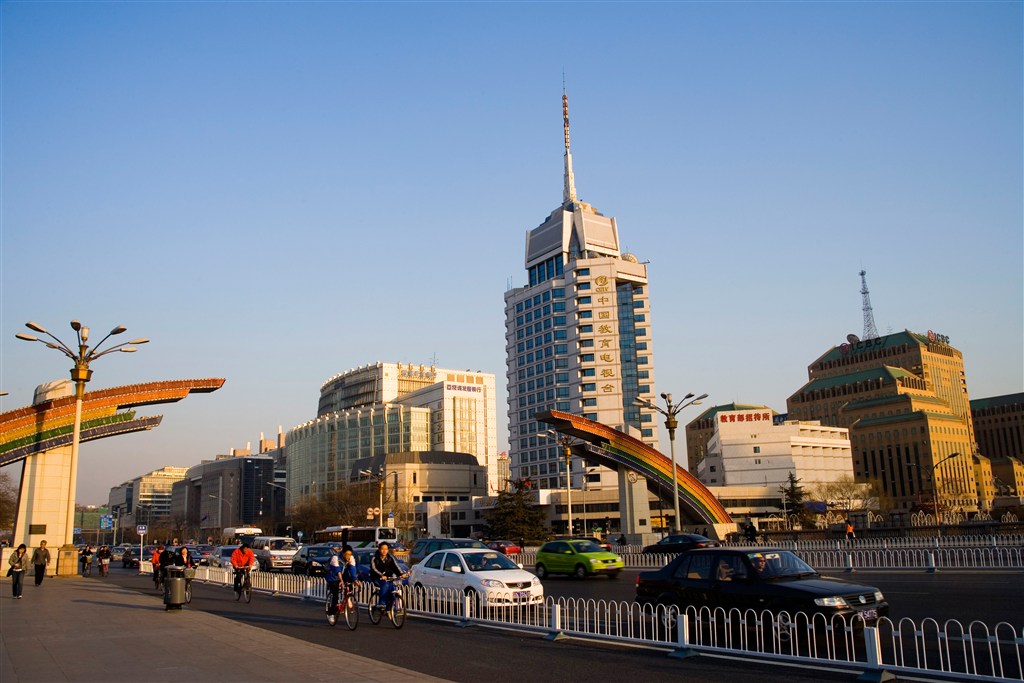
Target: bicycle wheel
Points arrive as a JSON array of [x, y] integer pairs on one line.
[[372, 609], [398, 612], [247, 590], [351, 608], [238, 592], [188, 592]]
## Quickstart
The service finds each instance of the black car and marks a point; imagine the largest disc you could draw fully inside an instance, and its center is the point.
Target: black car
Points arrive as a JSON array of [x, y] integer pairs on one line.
[[312, 560], [678, 543], [425, 546], [758, 579]]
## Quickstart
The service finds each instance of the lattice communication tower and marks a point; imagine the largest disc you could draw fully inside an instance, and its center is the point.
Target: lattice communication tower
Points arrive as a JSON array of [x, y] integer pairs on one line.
[[870, 331]]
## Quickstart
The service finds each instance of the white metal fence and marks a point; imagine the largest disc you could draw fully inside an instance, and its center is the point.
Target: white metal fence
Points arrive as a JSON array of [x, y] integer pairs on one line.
[[975, 651]]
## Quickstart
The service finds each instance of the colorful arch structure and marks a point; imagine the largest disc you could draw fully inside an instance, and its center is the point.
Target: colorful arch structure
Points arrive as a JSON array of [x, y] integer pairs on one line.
[[606, 446], [49, 424], [41, 435]]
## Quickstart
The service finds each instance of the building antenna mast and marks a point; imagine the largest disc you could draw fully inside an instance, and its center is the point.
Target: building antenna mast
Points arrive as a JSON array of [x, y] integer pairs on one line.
[[870, 331], [569, 189]]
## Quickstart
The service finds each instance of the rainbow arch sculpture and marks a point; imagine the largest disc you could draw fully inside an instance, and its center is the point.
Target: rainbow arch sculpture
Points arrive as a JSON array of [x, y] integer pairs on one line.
[[606, 446], [48, 425]]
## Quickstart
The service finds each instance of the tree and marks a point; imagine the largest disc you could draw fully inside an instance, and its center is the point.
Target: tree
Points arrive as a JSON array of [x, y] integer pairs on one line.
[[793, 501], [846, 495], [8, 501], [515, 516]]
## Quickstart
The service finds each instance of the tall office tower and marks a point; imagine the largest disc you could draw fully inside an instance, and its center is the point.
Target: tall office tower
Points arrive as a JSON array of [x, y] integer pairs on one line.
[[577, 337]]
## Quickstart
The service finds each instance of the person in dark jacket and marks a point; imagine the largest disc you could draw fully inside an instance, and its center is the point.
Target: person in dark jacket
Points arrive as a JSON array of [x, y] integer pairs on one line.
[[40, 559], [383, 568], [183, 558]]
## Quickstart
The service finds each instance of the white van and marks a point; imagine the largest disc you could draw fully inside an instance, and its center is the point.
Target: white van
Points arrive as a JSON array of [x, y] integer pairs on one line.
[[274, 552]]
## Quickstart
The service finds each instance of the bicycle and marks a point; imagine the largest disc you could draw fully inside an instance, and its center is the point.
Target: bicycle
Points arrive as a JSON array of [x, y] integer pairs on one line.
[[245, 586], [87, 567], [104, 566], [189, 575], [397, 612], [348, 606]]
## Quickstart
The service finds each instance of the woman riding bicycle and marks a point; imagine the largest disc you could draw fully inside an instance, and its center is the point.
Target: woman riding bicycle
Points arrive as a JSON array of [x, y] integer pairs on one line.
[[341, 568], [383, 570], [103, 555]]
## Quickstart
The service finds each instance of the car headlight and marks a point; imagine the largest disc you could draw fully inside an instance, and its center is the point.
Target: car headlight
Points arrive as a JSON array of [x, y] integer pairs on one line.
[[492, 583], [834, 601], [536, 581], [879, 597], [593, 561]]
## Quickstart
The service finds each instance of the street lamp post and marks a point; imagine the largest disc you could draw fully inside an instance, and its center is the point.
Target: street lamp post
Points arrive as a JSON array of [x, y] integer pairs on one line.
[[80, 374], [566, 443], [671, 423], [935, 492], [231, 510], [381, 476]]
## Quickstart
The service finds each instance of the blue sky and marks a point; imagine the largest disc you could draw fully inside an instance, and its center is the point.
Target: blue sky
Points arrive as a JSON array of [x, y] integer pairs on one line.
[[276, 192]]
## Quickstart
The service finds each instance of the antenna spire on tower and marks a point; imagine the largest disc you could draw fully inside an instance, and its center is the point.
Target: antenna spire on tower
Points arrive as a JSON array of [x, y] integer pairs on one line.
[[569, 191], [870, 331]]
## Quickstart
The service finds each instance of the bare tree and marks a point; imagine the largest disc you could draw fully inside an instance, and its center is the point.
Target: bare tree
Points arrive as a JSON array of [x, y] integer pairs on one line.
[[8, 500]]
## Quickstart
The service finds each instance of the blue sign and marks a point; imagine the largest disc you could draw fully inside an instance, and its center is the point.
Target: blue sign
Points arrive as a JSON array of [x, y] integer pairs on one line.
[[106, 521], [78, 530]]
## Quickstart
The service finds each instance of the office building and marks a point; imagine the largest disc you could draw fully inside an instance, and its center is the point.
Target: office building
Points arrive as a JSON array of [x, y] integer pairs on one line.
[[577, 335], [700, 430], [387, 408], [747, 449], [999, 425], [146, 499], [904, 399]]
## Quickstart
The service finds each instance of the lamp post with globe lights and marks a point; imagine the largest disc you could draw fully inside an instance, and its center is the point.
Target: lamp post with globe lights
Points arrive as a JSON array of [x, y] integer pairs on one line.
[[670, 411], [80, 375]]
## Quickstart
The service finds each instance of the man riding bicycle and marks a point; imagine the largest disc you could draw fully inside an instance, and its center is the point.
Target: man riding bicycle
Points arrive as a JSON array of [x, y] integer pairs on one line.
[[242, 560], [383, 569], [341, 568]]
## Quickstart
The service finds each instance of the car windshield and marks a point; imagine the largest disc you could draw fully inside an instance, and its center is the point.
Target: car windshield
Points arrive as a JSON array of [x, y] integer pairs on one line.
[[779, 564], [204, 548], [488, 562], [586, 547], [318, 553], [283, 544]]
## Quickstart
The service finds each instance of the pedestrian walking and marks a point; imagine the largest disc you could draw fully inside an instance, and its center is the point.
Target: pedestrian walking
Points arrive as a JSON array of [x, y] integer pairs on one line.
[[19, 562], [850, 534], [40, 559]]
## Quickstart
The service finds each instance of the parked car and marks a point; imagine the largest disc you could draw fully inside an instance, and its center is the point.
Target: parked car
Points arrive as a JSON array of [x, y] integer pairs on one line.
[[425, 546], [363, 557], [758, 579], [312, 560], [505, 547], [577, 557], [603, 545], [678, 543], [221, 557], [485, 574]]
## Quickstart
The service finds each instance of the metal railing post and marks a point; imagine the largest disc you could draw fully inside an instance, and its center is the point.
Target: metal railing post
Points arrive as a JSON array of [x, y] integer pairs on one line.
[[555, 625], [683, 650], [873, 649], [848, 563], [931, 568]]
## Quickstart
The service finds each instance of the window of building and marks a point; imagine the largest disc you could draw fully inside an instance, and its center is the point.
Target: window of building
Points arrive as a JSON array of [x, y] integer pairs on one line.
[[588, 372], [587, 358], [586, 314], [584, 300], [589, 387], [757, 449], [590, 403], [582, 272]]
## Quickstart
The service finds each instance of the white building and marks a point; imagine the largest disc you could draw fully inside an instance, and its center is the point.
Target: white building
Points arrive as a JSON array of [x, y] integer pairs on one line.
[[746, 449], [577, 336], [385, 408]]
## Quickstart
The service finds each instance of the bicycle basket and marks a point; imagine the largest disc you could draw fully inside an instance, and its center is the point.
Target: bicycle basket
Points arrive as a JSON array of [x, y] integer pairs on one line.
[[190, 573]]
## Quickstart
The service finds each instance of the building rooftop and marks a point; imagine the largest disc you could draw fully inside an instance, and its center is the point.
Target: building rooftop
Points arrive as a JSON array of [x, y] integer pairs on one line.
[[885, 341], [997, 401], [726, 407], [883, 372]]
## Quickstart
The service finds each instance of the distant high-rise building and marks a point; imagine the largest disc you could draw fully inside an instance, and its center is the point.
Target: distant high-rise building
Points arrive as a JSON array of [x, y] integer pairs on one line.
[[577, 335]]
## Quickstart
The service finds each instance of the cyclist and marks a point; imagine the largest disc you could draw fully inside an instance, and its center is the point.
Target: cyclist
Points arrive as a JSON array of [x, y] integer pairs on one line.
[[341, 568], [242, 560], [383, 569], [85, 557], [103, 555], [156, 565]]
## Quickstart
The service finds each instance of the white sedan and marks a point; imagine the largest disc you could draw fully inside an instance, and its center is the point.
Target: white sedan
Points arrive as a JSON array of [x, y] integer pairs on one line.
[[473, 571]]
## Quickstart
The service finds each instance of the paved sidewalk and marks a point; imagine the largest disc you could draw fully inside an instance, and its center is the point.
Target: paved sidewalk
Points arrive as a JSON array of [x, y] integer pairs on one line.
[[75, 629]]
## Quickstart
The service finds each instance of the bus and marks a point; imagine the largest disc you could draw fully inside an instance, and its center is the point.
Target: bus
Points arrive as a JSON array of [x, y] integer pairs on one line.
[[357, 536], [241, 534]]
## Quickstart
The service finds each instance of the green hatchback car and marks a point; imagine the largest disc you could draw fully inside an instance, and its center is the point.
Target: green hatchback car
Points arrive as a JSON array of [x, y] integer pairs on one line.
[[576, 558]]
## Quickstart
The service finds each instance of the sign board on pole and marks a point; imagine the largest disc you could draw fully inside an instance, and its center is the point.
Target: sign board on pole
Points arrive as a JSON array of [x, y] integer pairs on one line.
[[106, 522], [141, 529], [78, 531], [299, 535]]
